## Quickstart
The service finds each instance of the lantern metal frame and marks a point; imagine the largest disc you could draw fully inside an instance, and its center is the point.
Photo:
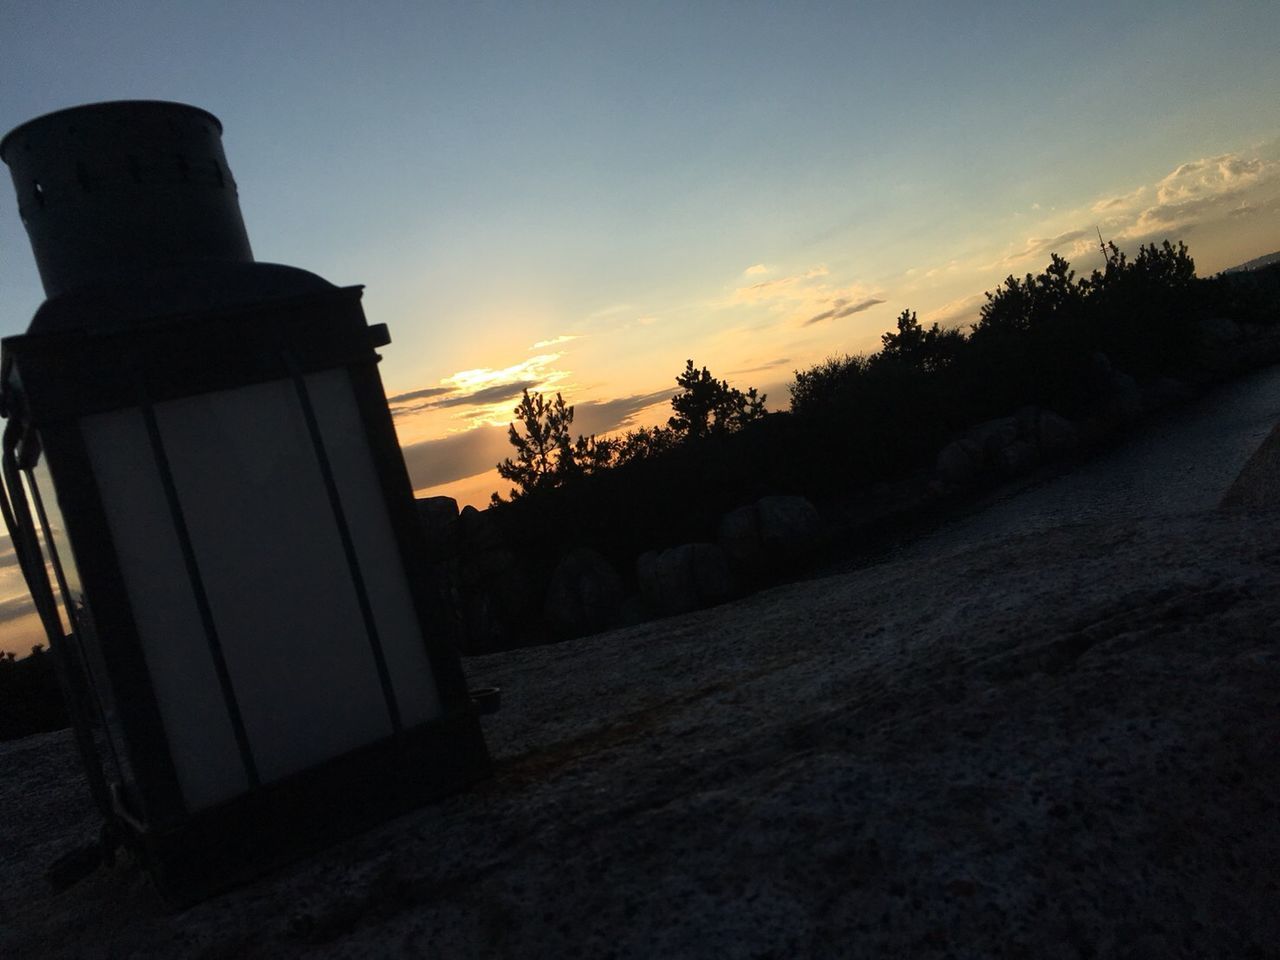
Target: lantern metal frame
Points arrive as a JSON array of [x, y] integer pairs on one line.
[[70, 367]]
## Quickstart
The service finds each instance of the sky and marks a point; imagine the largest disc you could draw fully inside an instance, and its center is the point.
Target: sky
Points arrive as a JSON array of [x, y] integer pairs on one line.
[[578, 197]]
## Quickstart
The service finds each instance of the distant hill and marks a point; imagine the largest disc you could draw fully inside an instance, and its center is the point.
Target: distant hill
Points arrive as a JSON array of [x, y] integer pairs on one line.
[[1257, 263]]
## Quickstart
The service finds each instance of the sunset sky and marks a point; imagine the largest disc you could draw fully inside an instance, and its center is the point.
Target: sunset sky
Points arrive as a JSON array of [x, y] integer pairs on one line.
[[577, 197]]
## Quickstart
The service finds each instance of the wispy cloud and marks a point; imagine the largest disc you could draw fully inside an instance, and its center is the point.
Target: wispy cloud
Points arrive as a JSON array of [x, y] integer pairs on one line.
[[770, 365], [469, 453], [602, 417], [755, 270], [1039, 246], [424, 394], [961, 312], [434, 462], [487, 395], [482, 387], [556, 341], [804, 298], [840, 307], [15, 607], [780, 287]]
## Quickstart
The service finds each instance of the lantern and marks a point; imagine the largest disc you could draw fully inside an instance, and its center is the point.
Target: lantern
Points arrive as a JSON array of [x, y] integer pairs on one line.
[[209, 502]]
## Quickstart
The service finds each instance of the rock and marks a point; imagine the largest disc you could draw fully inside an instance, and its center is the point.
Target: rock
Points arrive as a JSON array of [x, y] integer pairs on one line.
[[769, 534], [959, 462], [1016, 458], [1028, 421], [439, 519], [684, 578], [1055, 435], [1124, 399], [496, 597], [992, 436], [584, 594], [739, 538], [1218, 330], [789, 526]]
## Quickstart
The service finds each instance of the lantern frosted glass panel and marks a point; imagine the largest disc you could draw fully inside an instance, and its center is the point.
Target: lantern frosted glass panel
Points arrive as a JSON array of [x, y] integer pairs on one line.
[[197, 725], [366, 510], [281, 590]]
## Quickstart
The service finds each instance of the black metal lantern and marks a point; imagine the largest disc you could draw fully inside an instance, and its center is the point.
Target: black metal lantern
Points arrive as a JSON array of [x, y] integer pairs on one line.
[[210, 506]]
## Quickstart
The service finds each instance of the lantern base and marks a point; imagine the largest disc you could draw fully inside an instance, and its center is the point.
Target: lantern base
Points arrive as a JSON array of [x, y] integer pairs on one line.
[[253, 834]]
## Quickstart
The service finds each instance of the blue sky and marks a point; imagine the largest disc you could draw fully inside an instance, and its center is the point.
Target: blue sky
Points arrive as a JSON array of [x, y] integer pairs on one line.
[[579, 196]]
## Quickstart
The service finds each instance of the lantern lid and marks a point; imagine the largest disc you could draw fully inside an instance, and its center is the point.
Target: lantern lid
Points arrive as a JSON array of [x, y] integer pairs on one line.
[[114, 187], [174, 291]]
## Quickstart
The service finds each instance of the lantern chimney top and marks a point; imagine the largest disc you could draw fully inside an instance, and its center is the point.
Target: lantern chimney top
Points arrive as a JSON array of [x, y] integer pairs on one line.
[[108, 190]]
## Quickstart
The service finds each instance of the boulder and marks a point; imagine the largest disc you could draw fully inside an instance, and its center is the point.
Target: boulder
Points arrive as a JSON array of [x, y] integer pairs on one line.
[[496, 596], [992, 436], [684, 578], [1055, 435], [439, 519], [739, 538], [1016, 458], [1218, 330], [769, 534], [959, 462], [584, 594], [789, 526], [1124, 399]]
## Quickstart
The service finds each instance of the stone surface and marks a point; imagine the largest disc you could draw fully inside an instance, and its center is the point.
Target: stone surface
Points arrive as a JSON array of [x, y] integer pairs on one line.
[[683, 578], [1056, 435], [1055, 745], [439, 518], [770, 534], [496, 597], [1015, 458], [739, 538], [584, 594], [1042, 731], [959, 462], [789, 526], [1124, 399]]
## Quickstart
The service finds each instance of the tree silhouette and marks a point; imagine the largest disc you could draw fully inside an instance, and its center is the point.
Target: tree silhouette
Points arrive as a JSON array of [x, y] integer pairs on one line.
[[706, 405], [545, 455], [544, 452]]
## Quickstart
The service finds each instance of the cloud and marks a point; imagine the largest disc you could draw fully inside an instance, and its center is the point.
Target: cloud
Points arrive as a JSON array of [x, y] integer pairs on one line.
[[1038, 246], [563, 338], [842, 308], [755, 270], [782, 362], [15, 607], [1119, 202], [433, 462], [785, 287], [493, 394], [1205, 190], [1208, 177], [483, 386], [424, 394], [961, 312], [601, 417]]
